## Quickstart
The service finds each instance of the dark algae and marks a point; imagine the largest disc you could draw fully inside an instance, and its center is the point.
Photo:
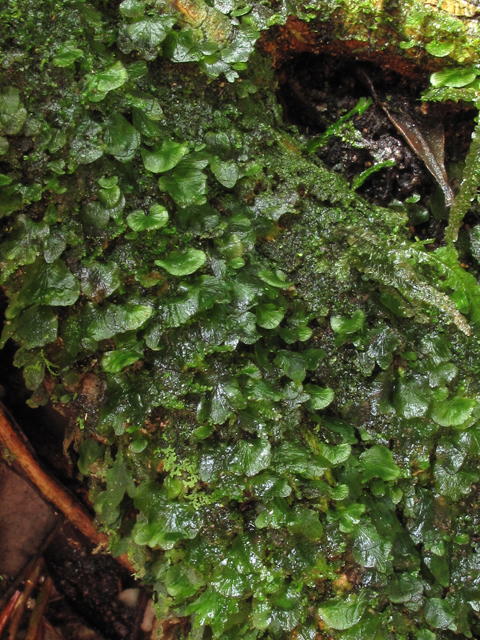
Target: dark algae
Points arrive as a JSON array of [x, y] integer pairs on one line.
[[264, 332]]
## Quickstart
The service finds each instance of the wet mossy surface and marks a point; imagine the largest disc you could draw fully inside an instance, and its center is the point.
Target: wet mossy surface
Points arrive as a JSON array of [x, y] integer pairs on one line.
[[272, 380]]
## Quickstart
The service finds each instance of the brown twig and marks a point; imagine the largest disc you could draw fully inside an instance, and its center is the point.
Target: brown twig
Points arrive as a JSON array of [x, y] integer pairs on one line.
[[37, 613], [30, 583], [7, 611], [14, 440]]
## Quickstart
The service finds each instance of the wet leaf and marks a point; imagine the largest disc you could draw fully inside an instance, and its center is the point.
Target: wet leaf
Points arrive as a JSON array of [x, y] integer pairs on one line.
[[453, 411], [307, 524], [227, 173], [182, 581], [404, 588], [87, 146], [335, 454], [275, 515], [186, 183], [165, 157], [275, 279], [451, 482], [12, 112], [132, 8], [145, 124], [227, 581], [320, 397], [182, 264], [453, 77], [226, 399], [121, 138], [157, 218], [439, 614], [90, 451], [67, 55], [440, 49], [95, 215], [347, 326], [250, 458], [412, 397], [360, 179], [103, 323], [369, 549], [175, 522], [213, 609], [112, 78], [119, 482], [151, 31], [348, 517], [116, 361], [269, 315], [267, 485], [343, 614], [50, 284], [35, 327], [377, 462]]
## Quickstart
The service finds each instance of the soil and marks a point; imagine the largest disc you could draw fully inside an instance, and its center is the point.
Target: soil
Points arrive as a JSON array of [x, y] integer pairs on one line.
[[316, 90]]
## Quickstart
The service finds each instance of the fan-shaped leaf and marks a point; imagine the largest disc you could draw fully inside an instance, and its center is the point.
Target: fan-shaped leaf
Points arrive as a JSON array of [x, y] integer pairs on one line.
[[165, 157], [67, 55], [275, 278], [12, 112], [250, 458], [186, 183], [377, 462], [343, 614], [121, 138], [269, 315], [319, 397], [50, 284], [182, 264], [452, 411], [342, 324], [112, 78], [157, 218], [116, 361], [150, 31], [227, 173]]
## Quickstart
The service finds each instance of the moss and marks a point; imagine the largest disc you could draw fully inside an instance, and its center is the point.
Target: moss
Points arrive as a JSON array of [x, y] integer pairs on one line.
[[288, 380]]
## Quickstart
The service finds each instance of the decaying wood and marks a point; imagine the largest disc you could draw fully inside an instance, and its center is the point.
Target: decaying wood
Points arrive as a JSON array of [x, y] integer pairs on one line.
[[15, 442]]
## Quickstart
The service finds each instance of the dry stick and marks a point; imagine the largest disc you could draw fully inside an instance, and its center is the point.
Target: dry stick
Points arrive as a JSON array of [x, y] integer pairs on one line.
[[30, 583], [14, 440], [37, 613], [7, 611]]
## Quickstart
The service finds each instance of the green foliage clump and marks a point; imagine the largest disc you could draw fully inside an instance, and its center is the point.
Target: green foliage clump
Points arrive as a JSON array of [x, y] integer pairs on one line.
[[265, 369]]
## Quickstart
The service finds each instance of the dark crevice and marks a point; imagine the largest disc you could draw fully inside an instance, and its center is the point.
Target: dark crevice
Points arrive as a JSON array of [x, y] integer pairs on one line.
[[316, 90]]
